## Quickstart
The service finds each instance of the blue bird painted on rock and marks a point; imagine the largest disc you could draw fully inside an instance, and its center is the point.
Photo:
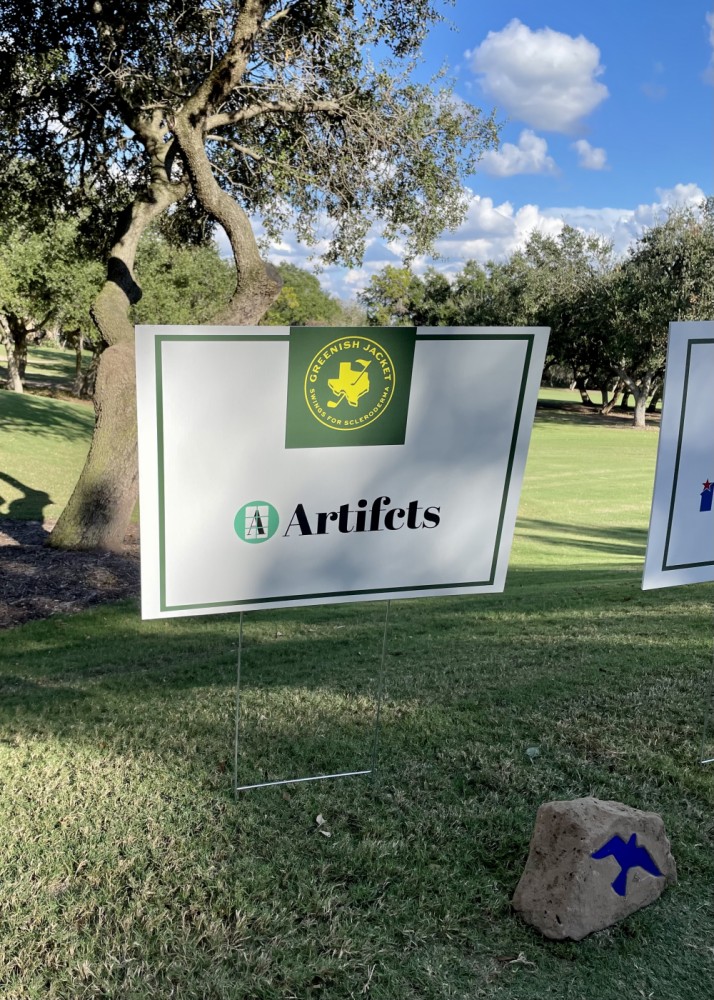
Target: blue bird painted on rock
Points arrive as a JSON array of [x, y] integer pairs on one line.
[[628, 855]]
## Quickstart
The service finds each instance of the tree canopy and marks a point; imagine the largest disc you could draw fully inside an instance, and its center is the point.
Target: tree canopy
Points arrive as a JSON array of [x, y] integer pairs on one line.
[[300, 112], [109, 99], [608, 317], [303, 302]]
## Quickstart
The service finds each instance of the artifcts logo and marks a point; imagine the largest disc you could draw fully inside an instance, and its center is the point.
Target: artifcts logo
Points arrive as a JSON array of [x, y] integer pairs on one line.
[[258, 520], [349, 383]]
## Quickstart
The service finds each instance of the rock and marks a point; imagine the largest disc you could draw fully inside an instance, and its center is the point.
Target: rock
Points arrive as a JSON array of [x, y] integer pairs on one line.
[[591, 863]]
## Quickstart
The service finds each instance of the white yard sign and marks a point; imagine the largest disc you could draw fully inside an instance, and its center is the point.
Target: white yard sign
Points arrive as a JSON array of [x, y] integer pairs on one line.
[[287, 467], [680, 546]]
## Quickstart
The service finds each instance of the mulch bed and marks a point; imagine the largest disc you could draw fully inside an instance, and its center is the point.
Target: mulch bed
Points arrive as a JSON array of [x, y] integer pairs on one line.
[[37, 581]]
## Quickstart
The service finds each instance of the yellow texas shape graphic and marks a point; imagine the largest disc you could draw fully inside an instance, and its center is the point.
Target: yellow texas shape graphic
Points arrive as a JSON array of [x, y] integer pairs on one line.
[[351, 384]]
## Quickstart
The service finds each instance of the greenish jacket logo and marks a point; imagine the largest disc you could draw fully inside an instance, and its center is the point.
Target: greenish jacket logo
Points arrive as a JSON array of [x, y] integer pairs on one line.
[[350, 389]]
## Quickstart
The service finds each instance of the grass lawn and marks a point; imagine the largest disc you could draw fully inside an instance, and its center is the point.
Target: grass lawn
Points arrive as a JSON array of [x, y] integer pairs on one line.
[[43, 445], [48, 365], [128, 870]]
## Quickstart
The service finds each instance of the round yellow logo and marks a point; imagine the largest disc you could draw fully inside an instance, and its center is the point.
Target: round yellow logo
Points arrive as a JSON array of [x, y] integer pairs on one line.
[[349, 383]]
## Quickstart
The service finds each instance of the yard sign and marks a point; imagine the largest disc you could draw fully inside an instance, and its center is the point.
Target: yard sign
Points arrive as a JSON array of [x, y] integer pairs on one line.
[[283, 467], [680, 546]]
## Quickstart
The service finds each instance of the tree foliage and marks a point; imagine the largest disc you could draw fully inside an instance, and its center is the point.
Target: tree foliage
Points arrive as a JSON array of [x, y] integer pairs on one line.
[[668, 275], [194, 111], [296, 121], [45, 284], [303, 302], [180, 284], [609, 318]]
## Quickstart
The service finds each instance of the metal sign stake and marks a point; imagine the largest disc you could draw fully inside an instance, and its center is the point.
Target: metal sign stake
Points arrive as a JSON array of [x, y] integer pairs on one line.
[[372, 770]]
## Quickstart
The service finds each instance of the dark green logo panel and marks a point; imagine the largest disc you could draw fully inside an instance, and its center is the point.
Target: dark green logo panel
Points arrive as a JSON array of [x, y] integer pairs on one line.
[[348, 386]]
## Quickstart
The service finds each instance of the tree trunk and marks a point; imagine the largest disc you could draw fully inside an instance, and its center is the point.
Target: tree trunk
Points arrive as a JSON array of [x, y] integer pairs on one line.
[[639, 391], [21, 357], [100, 508], [98, 513], [656, 396], [76, 342], [88, 383], [640, 410], [13, 380], [581, 386], [258, 283], [609, 405]]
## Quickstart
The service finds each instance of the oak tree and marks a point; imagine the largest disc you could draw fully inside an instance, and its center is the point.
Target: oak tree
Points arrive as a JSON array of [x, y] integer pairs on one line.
[[301, 113]]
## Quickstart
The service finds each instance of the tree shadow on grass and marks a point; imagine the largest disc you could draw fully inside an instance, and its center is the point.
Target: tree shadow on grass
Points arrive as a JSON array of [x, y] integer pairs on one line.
[[576, 415], [45, 418], [608, 539], [166, 684]]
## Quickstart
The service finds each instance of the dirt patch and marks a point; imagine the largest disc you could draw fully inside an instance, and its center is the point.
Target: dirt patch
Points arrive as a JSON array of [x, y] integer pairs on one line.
[[37, 581]]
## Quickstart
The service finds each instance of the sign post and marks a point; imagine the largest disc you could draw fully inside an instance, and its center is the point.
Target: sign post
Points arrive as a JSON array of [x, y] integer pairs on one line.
[[286, 467]]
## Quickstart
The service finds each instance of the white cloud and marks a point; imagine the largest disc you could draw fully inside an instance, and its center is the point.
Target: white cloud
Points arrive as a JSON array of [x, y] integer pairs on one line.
[[624, 225], [680, 196], [544, 78], [530, 156], [590, 157], [709, 72], [493, 232]]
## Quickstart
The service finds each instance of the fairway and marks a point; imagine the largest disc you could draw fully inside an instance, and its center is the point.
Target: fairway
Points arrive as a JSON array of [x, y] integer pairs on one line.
[[130, 872], [43, 444]]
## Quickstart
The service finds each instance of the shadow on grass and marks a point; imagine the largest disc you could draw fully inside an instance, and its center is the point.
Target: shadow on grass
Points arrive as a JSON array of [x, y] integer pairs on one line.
[[608, 539], [48, 366], [575, 414], [309, 675], [31, 415], [28, 507]]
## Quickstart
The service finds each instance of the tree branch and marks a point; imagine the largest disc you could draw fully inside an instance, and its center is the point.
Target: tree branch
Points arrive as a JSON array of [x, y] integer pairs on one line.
[[257, 283], [305, 106], [229, 70]]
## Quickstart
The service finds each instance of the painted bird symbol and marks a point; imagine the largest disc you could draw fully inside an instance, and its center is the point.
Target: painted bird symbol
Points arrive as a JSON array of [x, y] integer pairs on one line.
[[628, 855]]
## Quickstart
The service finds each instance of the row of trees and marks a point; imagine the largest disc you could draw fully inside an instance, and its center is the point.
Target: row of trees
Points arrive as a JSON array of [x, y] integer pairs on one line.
[[609, 317], [46, 288]]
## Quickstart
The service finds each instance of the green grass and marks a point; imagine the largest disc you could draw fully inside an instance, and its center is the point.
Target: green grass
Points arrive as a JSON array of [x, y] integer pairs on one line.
[[43, 444], [47, 365], [129, 871], [587, 489]]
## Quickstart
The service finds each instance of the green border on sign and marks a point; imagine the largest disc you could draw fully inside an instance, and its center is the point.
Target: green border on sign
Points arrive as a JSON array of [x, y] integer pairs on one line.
[[426, 589], [675, 478]]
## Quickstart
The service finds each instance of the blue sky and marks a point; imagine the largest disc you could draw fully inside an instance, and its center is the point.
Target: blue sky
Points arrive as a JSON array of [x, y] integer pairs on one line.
[[607, 111]]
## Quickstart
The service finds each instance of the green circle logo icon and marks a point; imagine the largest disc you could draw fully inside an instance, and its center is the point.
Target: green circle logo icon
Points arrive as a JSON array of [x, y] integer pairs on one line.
[[349, 383], [256, 522]]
